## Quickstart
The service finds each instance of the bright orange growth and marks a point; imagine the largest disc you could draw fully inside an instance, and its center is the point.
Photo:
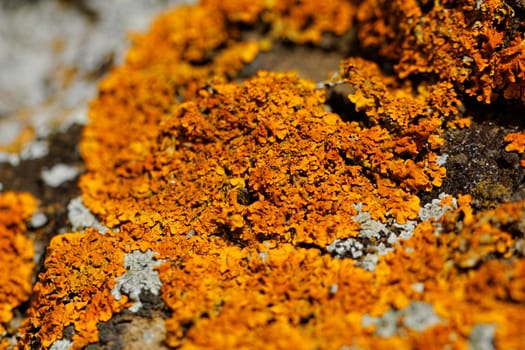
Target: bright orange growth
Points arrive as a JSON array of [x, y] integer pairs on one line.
[[516, 144], [264, 159], [302, 21], [232, 297], [75, 289], [402, 126], [16, 253], [240, 187], [477, 45]]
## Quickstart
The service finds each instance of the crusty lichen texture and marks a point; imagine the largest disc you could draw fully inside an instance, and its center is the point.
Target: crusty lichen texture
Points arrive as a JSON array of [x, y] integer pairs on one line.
[[16, 254], [516, 143], [477, 45], [272, 221], [75, 289]]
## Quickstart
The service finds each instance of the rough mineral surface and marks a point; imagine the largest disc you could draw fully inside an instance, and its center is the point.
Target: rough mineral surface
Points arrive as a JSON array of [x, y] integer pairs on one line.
[[235, 208]]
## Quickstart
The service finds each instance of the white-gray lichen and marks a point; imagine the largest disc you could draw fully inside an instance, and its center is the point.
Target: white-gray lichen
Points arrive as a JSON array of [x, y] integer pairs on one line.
[[406, 230], [35, 150], [38, 220], [385, 326], [417, 316], [482, 337], [442, 159], [58, 174], [334, 288], [190, 233], [369, 228], [78, 116], [31, 150], [434, 210], [369, 262], [10, 158], [350, 247], [61, 344], [80, 217], [376, 238], [34, 80], [9, 130], [361, 249], [140, 277], [418, 287], [263, 256]]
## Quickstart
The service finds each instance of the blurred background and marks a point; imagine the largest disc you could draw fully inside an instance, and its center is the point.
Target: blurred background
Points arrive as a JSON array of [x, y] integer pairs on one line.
[[52, 55]]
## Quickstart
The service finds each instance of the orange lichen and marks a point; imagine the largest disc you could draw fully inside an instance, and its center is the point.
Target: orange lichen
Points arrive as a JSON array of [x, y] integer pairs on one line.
[[74, 289], [516, 144], [240, 187], [16, 257], [283, 296], [486, 237], [464, 285], [303, 21], [256, 171], [271, 142], [401, 125], [477, 45], [306, 21]]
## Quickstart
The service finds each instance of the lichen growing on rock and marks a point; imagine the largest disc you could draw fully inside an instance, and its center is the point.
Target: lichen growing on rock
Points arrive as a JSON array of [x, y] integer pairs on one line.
[[74, 289], [139, 277], [244, 189], [16, 254], [516, 144], [477, 45]]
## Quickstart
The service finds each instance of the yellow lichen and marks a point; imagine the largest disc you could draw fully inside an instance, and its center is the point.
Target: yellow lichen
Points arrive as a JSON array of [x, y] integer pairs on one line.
[[516, 142], [75, 289], [477, 45], [16, 256], [240, 187]]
